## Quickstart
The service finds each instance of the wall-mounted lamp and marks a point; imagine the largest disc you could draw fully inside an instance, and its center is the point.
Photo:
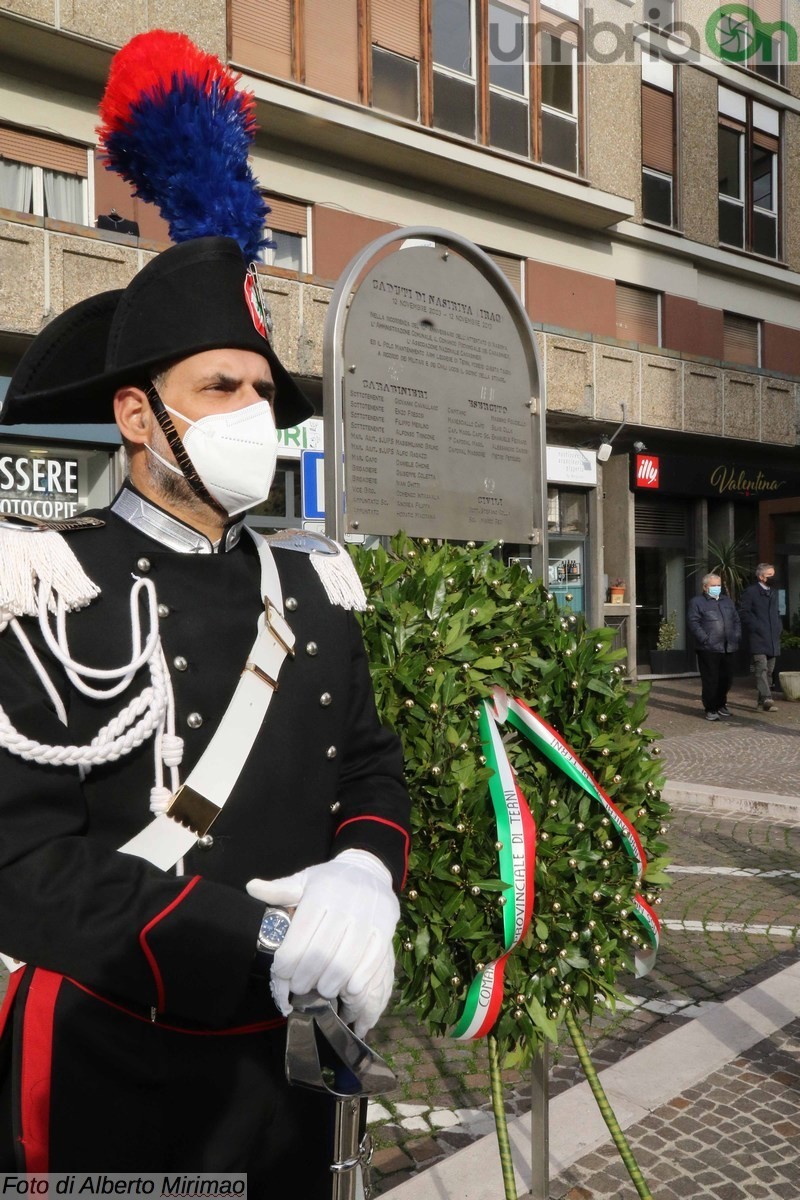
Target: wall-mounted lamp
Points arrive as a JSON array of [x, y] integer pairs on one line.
[[604, 449]]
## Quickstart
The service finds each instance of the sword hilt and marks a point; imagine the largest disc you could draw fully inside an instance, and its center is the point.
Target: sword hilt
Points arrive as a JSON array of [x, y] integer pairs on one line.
[[323, 1053]]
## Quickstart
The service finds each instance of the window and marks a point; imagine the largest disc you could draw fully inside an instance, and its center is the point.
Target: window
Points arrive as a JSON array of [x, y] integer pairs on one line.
[[741, 340], [114, 202], [660, 14], [395, 33], [511, 268], [43, 176], [658, 141], [748, 159], [287, 226], [283, 507], [509, 78], [774, 38], [558, 50], [500, 73], [490, 57], [638, 315], [454, 78], [568, 525]]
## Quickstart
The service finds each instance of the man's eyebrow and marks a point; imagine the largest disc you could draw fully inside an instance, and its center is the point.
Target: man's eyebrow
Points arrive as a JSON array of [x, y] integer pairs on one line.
[[229, 383]]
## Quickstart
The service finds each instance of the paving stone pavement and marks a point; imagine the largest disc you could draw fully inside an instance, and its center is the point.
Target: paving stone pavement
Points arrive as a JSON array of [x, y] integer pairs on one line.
[[442, 1103], [751, 750], [734, 1138]]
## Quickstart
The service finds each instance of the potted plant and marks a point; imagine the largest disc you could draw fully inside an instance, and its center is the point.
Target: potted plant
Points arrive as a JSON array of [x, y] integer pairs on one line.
[[616, 591], [789, 659], [665, 659]]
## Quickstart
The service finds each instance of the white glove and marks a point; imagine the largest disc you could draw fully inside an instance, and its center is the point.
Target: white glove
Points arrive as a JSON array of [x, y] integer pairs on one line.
[[340, 940]]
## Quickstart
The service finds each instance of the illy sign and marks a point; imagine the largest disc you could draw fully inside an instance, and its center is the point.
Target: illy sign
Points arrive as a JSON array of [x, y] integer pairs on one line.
[[647, 471]]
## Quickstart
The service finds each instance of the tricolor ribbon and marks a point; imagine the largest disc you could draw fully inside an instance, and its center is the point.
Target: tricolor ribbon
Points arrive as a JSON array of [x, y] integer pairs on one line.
[[517, 835]]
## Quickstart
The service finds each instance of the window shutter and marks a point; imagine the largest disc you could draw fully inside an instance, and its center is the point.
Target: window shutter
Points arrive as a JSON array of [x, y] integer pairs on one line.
[[38, 151], [657, 130], [261, 35], [331, 47], [637, 315], [395, 26], [740, 339], [769, 10], [287, 216], [766, 141], [558, 28], [511, 268]]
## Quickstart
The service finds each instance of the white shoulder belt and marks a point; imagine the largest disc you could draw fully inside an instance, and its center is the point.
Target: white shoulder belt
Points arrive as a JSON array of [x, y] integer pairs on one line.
[[202, 796]]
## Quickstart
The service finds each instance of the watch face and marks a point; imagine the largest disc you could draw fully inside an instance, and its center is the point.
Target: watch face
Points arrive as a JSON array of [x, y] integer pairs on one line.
[[274, 927]]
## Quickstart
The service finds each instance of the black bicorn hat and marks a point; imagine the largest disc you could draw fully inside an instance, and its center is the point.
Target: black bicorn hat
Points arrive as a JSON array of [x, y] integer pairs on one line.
[[196, 296]]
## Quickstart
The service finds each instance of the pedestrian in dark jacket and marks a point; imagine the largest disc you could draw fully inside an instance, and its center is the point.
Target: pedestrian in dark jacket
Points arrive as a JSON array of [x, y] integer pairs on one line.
[[762, 624], [717, 631]]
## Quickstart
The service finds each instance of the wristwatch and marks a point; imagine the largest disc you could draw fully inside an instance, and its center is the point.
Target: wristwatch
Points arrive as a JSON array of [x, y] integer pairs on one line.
[[274, 927]]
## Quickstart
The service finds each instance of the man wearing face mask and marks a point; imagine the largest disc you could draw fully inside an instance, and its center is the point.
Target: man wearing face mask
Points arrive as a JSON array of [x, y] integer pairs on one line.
[[714, 623], [762, 624], [191, 748]]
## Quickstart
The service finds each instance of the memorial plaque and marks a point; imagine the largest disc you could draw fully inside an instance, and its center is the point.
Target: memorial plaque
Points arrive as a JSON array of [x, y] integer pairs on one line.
[[438, 428]]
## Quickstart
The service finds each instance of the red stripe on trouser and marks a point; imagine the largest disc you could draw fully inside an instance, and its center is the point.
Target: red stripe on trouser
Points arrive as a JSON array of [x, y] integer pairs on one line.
[[14, 980], [37, 1059]]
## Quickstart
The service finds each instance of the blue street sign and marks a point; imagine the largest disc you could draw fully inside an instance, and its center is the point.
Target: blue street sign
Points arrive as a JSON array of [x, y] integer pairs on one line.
[[312, 486]]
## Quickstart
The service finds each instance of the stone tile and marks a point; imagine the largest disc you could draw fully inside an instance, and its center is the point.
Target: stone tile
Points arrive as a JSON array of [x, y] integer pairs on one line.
[[391, 1159], [424, 1151]]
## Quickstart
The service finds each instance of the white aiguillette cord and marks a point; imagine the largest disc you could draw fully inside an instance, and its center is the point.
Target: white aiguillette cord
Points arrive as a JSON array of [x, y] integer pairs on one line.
[[200, 799]]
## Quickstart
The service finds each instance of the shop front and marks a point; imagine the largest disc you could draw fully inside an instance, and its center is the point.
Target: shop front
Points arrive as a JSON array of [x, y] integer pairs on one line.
[[571, 493], [693, 512], [54, 481]]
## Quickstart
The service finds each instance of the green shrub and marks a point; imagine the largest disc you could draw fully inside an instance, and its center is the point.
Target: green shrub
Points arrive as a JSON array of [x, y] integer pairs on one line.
[[444, 625]]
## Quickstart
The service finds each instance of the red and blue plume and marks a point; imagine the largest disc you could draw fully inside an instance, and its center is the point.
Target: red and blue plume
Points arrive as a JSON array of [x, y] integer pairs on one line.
[[175, 126]]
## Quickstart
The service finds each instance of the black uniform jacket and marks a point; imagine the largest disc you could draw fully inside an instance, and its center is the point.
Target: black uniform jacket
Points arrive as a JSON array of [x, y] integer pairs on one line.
[[323, 776]]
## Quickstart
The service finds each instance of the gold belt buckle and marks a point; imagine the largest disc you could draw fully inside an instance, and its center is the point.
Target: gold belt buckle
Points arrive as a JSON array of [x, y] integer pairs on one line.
[[269, 609], [192, 810]]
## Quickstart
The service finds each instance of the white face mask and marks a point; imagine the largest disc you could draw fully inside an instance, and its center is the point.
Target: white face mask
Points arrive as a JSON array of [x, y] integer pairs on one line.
[[234, 453]]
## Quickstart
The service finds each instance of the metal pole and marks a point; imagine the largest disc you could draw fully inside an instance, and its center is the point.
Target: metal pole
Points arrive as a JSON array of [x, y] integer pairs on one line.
[[540, 1127]]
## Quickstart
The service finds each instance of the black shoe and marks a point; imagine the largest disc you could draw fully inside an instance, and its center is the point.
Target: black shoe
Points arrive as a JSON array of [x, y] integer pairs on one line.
[[724, 711], [768, 705], [712, 716]]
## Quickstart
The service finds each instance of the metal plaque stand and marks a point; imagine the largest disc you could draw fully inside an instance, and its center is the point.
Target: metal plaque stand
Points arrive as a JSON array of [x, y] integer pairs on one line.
[[540, 1127], [336, 370]]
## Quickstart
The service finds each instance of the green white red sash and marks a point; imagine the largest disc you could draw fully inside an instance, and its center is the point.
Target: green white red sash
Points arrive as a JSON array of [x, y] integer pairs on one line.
[[517, 835]]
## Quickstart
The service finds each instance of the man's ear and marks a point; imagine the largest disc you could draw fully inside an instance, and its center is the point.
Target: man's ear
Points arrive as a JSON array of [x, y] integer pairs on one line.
[[133, 415]]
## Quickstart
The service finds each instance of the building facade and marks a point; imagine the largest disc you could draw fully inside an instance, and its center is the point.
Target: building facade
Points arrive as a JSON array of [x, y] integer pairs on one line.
[[630, 166]]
